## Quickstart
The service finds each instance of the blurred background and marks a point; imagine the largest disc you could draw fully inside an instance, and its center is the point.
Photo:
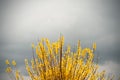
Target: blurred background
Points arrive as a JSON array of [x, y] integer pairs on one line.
[[25, 21]]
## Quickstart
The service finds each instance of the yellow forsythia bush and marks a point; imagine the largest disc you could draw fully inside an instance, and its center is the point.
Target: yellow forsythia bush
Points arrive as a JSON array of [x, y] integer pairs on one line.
[[51, 62]]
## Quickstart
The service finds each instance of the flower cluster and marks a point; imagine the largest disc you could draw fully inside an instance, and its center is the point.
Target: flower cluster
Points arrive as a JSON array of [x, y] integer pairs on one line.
[[51, 62]]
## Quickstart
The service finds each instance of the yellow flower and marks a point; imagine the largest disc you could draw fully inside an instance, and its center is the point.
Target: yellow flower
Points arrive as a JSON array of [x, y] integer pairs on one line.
[[62, 40], [8, 69], [13, 63], [68, 49], [7, 62], [52, 62], [17, 75], [94, 46]]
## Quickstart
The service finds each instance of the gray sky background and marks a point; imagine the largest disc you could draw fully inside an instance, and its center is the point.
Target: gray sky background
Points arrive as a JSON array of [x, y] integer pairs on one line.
[[24, 21]]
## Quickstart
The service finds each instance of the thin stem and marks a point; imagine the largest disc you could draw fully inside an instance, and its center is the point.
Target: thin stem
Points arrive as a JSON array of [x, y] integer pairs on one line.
[[60, 57]]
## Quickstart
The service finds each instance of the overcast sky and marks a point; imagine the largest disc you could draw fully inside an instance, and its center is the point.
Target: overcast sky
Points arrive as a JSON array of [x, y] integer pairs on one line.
[[24, 21]]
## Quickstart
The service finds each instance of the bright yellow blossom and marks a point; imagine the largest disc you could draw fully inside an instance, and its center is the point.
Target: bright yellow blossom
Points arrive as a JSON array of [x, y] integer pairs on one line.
[[8, 69], [94, 46], [7, 62], [13, 63], [52, 62]]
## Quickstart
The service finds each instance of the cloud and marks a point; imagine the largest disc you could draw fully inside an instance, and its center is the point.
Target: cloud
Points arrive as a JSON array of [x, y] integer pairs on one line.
[[111, 68]]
